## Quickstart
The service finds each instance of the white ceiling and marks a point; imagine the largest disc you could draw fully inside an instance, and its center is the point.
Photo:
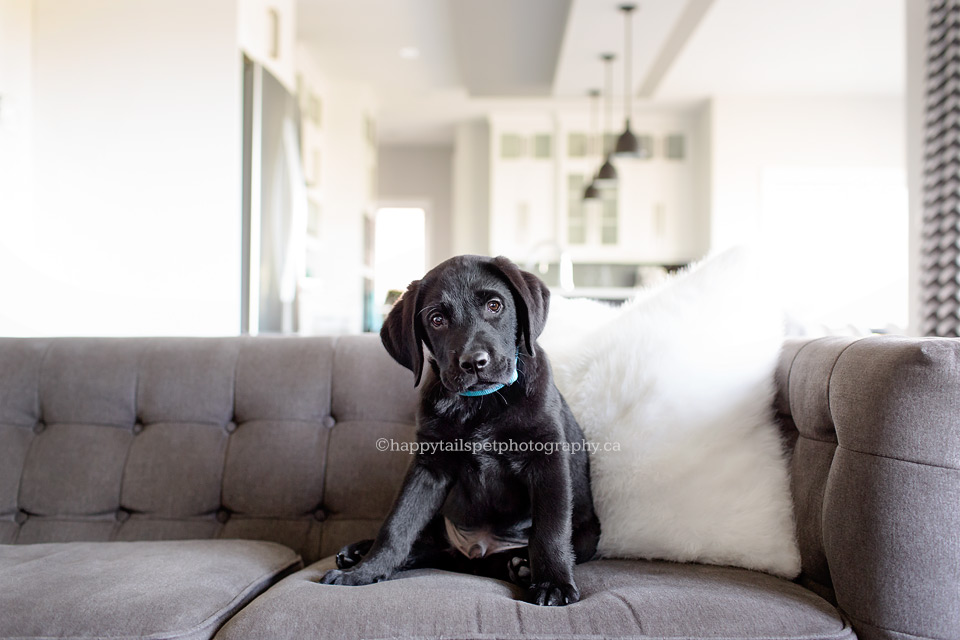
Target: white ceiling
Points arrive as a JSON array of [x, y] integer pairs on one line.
[[480, 55], [361, 40], [789, 47], [596, 27]]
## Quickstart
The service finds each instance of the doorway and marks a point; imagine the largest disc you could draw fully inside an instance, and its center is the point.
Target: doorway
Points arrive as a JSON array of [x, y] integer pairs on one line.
[[400, 255]]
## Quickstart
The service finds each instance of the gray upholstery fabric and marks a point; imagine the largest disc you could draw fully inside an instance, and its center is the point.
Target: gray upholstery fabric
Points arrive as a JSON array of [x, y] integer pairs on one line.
[[808, 406], [175, 438], [876, 480], [619, 598], [132, 589]]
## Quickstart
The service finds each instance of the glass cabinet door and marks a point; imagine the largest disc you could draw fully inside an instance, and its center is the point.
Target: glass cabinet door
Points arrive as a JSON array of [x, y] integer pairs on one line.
[[576, 210]]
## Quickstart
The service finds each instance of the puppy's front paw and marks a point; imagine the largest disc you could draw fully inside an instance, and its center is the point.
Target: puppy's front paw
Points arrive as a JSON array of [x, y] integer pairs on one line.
[[336, 576], [348, 577], [554, 594]]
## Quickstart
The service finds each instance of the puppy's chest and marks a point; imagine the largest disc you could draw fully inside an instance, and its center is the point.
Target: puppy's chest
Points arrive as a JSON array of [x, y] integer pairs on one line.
[[466, 412], [483, 449], [488, 486], [490, 469]]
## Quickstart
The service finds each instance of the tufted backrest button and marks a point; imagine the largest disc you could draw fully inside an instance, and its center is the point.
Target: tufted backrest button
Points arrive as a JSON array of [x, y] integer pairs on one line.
[[223, 515], [230, 427], [137, 428], [320, 514], [39, 427], [20, 517], [122, 515], [329, 422]]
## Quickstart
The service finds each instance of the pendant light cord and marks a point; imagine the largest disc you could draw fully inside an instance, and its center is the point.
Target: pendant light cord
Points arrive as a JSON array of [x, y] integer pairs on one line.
[[628, 60], [594, 125], [608, 60]]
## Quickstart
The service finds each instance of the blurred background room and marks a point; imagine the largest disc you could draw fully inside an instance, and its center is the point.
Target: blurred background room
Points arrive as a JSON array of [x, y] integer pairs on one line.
[[215, 167]]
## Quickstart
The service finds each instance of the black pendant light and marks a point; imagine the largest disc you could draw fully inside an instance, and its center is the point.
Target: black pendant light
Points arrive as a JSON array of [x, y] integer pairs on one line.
[[591, 192], [607, 175], [627, 145]]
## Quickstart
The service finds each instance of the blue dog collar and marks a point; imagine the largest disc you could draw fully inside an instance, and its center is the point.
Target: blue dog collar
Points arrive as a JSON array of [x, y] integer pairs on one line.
[[495, 388]]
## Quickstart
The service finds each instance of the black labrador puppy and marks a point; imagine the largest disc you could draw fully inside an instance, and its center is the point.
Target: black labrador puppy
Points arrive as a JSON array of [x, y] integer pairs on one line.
[[496, 488]]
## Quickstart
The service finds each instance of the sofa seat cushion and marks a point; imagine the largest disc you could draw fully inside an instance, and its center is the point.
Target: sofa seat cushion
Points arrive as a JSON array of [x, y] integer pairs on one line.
[[173, 589], [619, 598]]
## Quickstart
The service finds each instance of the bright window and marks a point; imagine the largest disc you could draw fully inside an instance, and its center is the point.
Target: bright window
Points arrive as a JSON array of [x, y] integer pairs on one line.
[[843, 235]]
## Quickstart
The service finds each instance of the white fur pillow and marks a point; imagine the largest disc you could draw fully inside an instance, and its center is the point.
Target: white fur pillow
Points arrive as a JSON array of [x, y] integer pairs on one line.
[[682, 379]]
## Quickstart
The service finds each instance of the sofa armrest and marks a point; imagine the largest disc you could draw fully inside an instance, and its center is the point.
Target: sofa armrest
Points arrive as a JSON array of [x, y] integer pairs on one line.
[[876, 478]]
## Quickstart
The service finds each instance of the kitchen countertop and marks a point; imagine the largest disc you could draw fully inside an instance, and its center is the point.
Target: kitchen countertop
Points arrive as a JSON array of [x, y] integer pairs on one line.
[[597, 293]]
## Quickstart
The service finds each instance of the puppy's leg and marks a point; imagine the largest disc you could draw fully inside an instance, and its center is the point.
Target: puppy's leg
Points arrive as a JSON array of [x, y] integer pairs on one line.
[[431, 549], [421, 497], [586, 536], [551, 550]]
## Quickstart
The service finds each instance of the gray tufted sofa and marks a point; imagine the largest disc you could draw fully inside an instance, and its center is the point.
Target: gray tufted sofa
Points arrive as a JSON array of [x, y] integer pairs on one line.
[[177, 488]]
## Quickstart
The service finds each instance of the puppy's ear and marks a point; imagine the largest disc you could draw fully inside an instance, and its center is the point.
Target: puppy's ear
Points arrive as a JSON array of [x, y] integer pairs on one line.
[[532, 298], [401, 333]]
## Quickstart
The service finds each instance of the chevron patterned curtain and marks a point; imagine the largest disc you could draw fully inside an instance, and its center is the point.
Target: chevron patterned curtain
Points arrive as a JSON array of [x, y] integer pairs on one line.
[[941, 207]]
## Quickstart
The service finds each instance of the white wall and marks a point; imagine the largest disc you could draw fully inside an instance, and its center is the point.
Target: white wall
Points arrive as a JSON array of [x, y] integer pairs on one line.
[[471, 188], [136, 216], [16, 148], [750, 134], [833, 170], [415, 174], [703, 174], [914, 124]]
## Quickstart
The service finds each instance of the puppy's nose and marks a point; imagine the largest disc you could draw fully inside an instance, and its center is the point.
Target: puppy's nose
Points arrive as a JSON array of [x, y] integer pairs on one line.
[[474, 361]]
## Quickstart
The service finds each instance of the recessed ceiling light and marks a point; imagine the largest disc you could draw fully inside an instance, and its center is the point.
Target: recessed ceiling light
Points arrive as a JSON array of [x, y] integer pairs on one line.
[[409, 53]]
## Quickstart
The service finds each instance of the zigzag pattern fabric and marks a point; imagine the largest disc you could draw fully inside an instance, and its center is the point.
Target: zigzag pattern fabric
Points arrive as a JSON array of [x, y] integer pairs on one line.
[[941, 207]]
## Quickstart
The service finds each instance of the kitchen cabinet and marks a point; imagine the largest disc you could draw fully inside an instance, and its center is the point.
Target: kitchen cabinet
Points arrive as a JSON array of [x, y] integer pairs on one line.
[[522, 184], [650, 216]]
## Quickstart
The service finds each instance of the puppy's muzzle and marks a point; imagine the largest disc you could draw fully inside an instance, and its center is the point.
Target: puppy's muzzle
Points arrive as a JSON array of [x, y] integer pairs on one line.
[[477, 369]]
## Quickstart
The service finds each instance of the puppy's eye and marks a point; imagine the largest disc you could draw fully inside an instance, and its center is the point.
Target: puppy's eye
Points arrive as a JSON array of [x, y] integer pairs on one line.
[[495, 306], [436, 320]]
